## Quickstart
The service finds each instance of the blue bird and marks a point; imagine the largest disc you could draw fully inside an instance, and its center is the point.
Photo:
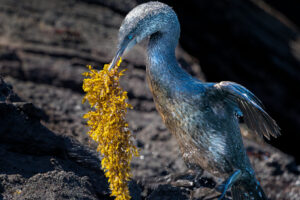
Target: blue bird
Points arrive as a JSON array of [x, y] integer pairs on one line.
[[202, 116]]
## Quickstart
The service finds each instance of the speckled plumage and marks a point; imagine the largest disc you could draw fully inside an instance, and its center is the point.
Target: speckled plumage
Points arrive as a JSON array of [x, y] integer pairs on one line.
[[202, 116]]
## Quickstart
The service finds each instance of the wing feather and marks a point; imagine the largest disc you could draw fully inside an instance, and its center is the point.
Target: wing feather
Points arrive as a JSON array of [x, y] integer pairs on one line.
[[256, 118]]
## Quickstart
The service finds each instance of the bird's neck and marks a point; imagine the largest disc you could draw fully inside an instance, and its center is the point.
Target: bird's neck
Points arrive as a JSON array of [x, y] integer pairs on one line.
[[162, 67]]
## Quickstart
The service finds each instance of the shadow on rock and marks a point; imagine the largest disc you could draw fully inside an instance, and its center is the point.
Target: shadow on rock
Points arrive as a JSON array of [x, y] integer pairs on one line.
[[35, 163]]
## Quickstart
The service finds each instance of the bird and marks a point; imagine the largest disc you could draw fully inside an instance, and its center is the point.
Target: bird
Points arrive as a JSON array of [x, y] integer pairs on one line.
[[203, 116]]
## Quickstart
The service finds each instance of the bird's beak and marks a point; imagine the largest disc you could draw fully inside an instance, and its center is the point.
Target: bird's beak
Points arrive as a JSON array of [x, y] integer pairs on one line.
[[119, 53], [116, 58]]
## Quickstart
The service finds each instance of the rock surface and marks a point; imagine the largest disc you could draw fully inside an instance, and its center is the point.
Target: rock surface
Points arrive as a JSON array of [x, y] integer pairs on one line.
[[36, 163], [44, 151]]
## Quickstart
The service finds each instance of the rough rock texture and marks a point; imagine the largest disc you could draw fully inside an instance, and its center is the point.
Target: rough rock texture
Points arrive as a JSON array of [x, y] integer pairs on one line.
[[36, 163], [44, 48]]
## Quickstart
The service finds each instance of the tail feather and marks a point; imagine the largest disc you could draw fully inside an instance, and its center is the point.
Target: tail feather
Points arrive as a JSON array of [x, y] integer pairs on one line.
[[248, 190]]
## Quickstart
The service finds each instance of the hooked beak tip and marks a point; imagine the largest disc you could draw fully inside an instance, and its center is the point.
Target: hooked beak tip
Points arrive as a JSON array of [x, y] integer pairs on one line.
[[116, 58]]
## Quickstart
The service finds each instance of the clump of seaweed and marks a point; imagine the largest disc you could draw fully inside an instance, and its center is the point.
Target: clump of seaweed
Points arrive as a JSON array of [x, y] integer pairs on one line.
[[108, 127]]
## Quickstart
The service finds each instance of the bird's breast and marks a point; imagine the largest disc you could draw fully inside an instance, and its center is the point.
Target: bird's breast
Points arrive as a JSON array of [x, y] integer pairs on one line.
[[175, 102]]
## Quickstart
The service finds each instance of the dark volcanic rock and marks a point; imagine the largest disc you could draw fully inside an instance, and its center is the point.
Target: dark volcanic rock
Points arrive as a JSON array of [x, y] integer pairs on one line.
[[44, 47], [6, 93], [36, 163], [54, 184], [169, 193]]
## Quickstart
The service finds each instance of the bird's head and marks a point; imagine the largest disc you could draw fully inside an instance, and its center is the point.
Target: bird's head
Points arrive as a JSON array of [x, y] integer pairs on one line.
[[143, 21]]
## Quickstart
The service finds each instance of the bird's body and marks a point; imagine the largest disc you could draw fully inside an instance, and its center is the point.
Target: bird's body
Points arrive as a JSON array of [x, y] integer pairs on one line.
[[202, 116], [206, 129]]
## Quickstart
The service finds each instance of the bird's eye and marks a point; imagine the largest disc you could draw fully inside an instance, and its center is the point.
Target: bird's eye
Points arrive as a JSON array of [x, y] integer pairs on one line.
[[130, 37]]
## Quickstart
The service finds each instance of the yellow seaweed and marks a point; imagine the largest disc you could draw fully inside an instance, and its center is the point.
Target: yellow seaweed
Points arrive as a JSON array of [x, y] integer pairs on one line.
[[108, 127]]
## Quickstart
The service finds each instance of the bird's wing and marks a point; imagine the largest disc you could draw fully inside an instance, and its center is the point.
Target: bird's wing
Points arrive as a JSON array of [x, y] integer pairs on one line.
[[255, 117]]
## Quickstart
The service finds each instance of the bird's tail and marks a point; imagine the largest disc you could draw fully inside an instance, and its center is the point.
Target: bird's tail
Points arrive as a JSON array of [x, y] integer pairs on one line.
[[248, 190]]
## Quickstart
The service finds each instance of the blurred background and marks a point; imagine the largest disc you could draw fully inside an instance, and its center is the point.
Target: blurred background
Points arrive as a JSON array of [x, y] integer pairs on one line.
[[46, 45]]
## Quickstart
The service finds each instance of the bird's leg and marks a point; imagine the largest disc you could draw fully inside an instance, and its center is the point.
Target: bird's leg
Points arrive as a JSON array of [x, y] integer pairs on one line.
[[229, 182]]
